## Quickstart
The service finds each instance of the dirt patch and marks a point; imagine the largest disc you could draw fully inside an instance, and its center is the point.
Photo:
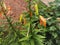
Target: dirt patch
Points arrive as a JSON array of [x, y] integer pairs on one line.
[[17, 6]]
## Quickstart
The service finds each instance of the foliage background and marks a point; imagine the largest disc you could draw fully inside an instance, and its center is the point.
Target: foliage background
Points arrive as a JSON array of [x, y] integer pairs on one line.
[[32, 32]]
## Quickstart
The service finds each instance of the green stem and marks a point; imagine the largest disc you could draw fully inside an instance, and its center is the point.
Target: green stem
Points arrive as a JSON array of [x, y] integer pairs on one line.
[[30, 16], [10, 24]]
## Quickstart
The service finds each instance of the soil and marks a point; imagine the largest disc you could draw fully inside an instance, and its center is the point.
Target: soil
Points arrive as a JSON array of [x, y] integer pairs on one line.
[[17, 7]]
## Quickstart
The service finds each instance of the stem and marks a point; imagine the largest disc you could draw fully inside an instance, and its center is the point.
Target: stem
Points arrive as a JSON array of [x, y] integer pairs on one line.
[[10, 25], [30, 16]]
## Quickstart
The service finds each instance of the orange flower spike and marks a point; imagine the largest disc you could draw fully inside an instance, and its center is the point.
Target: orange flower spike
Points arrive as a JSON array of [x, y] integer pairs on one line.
[[42, 21]]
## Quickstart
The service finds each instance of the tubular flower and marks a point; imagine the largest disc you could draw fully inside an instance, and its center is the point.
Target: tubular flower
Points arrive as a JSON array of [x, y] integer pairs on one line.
[[21, 17], [36, 9], [42, 21]]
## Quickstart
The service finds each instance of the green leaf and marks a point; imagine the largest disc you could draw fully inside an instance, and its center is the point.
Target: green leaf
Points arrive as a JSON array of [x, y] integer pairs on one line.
[[39, 38], [52, 28], [32, 42], [14, 43], [25, 43], [54, 35], [24, 39]]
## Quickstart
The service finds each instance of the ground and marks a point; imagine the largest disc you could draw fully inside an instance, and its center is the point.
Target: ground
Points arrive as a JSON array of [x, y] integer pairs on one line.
[[17, 6]]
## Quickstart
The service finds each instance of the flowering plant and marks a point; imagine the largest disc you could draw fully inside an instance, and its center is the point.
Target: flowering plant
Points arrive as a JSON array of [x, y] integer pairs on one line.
[[38, 26]]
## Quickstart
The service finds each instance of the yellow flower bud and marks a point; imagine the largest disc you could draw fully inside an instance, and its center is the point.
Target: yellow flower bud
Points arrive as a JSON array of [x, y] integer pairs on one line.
[[36, 9], [21, 17], [42, 21], [4, 5]]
